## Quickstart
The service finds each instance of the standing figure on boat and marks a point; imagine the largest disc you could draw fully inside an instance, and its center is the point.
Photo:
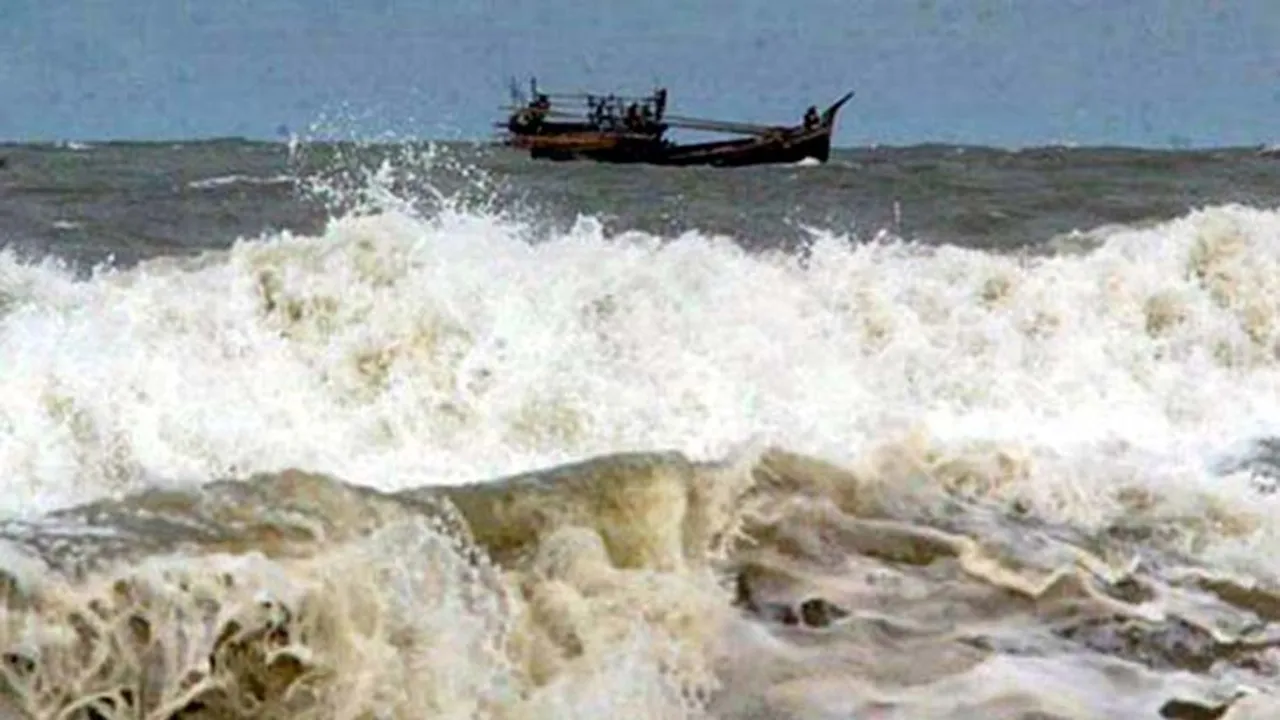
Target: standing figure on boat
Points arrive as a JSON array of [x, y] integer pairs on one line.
[[632, 120], [609, 113], [596, 116]]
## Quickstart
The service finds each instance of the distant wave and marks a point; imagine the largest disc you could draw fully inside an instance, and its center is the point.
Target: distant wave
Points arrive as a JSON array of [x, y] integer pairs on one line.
[[223, 180]]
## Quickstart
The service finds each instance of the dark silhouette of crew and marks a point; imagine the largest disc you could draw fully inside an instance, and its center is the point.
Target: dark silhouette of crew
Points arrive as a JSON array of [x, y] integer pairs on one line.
[[811, 119]]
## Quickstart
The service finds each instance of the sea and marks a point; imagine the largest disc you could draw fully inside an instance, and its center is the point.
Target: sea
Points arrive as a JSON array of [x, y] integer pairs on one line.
[[396, 429]]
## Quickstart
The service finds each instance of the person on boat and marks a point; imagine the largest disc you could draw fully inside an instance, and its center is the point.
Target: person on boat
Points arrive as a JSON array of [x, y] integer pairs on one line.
[[519, 122], [811, 119], [604, 117], [540, 107], [660, 103], [595, 111]]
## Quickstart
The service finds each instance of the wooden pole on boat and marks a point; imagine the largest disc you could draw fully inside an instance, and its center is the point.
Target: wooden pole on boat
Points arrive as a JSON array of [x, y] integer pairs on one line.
[[724, 126], [686, 123]]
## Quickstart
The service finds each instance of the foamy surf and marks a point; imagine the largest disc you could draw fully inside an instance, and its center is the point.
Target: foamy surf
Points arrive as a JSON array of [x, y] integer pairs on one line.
[[769, 585], [1072, 412], [449, 350], [220, 181]]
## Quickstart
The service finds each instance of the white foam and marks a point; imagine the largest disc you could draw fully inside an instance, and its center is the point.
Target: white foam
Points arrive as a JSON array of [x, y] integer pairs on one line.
[[449, 350], [218, 181]]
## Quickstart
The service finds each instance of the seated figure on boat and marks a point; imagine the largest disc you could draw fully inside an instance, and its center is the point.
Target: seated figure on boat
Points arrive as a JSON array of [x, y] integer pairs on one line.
[[646, 116], [603, 116], [811, 119], [530, 116]]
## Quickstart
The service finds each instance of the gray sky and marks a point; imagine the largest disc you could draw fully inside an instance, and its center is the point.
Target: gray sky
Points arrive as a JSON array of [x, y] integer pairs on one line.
[[999, 72]]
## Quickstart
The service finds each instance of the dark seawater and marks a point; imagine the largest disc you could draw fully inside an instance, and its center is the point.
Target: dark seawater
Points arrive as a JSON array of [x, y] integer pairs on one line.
[[133, 201], [418, 431]]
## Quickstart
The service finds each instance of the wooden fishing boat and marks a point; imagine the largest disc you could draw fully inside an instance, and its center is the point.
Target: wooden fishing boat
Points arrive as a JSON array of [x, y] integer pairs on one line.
[[620, 129]]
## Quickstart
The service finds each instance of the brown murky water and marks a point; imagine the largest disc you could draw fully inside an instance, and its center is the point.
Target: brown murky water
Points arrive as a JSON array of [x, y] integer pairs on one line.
[[768, 585]]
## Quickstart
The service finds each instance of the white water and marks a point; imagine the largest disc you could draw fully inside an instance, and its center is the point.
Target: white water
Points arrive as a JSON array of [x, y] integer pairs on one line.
[[217, 181], [450, 350], [395, 352]]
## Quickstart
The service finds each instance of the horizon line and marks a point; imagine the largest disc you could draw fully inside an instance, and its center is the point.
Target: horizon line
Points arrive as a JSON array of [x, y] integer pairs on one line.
[[373, 140]]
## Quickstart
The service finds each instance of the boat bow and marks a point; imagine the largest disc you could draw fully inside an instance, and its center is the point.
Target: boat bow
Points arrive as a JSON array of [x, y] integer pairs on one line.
[[829, 115]]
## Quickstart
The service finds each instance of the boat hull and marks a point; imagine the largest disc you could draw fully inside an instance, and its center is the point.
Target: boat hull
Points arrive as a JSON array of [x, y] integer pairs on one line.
[[729, 153]]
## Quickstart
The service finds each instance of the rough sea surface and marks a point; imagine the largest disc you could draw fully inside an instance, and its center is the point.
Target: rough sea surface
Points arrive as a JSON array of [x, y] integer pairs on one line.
[[418, 431]]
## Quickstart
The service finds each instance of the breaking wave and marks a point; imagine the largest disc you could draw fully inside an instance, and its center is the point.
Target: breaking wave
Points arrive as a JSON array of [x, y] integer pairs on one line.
[[872, 478]]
